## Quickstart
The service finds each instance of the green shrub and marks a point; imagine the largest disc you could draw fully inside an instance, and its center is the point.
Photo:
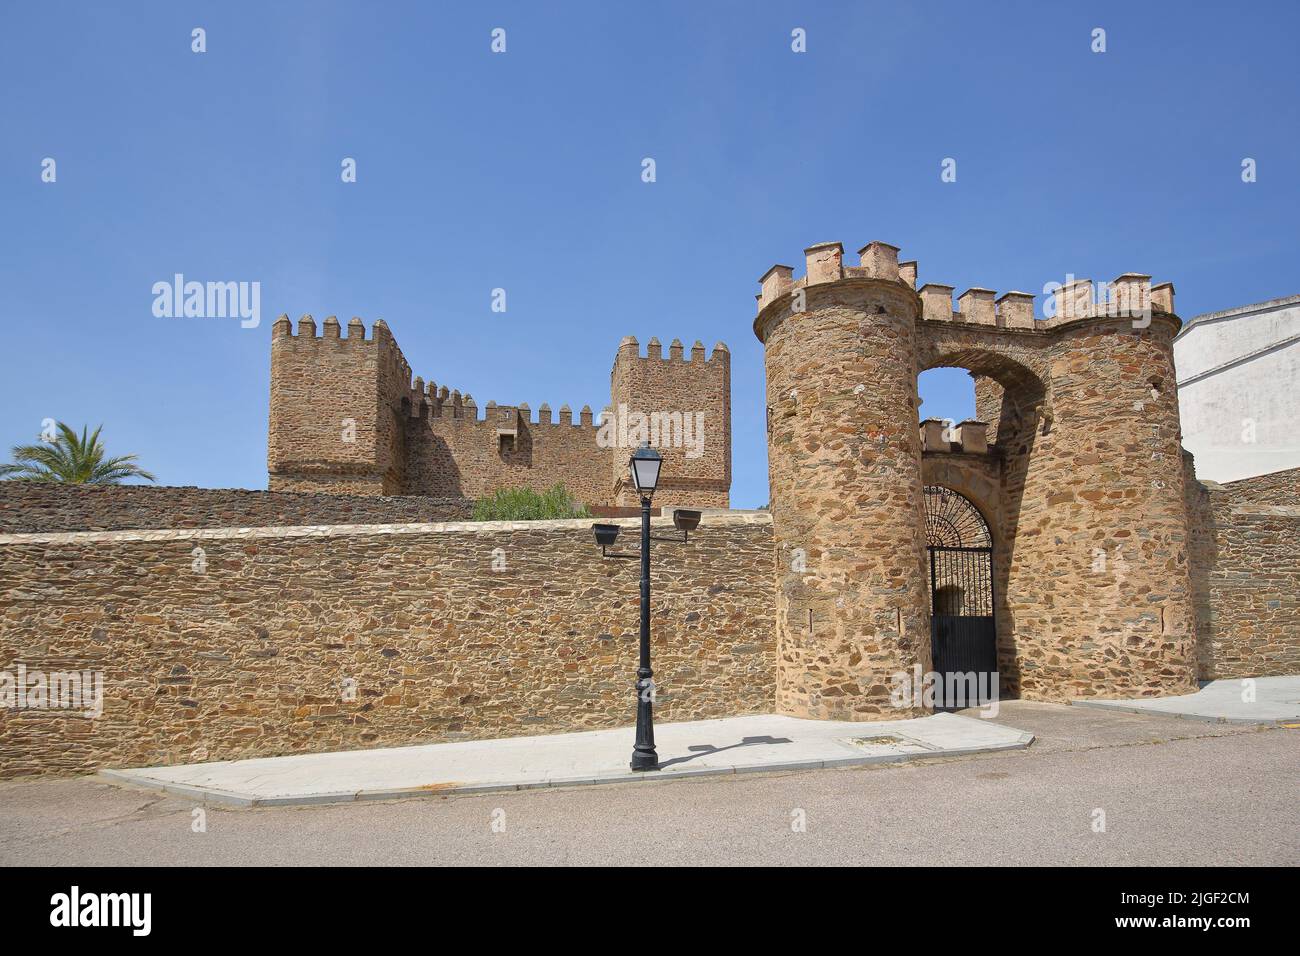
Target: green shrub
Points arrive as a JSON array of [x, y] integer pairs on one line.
[[525, 504]]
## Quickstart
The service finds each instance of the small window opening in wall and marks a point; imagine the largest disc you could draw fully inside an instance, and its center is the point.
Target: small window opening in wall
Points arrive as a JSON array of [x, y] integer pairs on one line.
[[1162, 619], [506, 443], [810, 627]]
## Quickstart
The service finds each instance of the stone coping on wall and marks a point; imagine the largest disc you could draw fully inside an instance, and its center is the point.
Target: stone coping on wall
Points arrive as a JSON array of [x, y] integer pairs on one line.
[[32, 507], [1281, 511], [713, 516]]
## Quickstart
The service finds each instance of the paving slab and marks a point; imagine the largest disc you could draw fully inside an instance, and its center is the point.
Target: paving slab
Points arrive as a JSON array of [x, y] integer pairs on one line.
[[1276, 702], [763, 742]]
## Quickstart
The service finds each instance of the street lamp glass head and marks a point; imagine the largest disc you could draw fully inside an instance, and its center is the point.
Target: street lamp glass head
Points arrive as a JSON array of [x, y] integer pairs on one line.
[[606, 534], [684, 520], [645, 470]]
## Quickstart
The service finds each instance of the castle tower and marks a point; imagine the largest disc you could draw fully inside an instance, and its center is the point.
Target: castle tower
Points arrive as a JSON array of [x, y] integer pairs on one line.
[[682, 406], [337, 407], [1102, 540], [347, 418], [1077, 473], [844, 462]]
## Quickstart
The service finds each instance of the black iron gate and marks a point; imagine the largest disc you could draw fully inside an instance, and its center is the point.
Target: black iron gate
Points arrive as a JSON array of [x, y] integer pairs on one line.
[[963, 639]]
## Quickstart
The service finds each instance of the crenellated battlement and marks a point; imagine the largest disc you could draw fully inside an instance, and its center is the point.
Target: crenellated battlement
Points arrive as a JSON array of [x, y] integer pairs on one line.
[[435, 402], [968, 437], [347, 414], [283, 328], [824, 262], [694, 394], [1082, 412], [429, 399], [629, 349], [1129, 295]]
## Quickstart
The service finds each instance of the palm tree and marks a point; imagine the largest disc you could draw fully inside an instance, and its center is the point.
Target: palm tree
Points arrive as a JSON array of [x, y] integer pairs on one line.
[[73, 460]]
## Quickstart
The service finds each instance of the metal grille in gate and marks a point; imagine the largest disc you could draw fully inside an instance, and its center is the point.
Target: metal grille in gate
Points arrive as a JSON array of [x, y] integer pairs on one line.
[[963, 638]]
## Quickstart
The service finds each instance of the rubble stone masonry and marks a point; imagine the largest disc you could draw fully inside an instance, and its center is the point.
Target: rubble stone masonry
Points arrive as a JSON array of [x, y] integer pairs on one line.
[[307, 618], [687, 403], [1094, 594], [450, 631], [1246, 575], [346, 417], [844, 460]]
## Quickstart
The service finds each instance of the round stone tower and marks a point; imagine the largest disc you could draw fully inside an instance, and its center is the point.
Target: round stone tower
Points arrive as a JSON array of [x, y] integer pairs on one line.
[[1101, 573], [844, 461]]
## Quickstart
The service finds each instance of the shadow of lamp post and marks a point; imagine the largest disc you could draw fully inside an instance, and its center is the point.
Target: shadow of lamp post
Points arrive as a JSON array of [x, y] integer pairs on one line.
[[644, 466]]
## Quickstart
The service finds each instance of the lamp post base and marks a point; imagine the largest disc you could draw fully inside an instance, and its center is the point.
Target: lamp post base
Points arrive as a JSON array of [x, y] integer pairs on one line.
[[643, 751], [644, 761]]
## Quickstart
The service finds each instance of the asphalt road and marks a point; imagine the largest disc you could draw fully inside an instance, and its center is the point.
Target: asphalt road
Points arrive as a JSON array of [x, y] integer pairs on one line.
[[1174, 792]]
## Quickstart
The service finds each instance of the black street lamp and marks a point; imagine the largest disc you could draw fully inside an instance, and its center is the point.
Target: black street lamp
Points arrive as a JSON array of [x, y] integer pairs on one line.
[[645, 475], [644, 466]]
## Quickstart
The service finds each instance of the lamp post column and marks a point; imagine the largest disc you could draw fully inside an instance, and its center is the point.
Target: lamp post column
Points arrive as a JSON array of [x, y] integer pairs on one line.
[[643, 753]]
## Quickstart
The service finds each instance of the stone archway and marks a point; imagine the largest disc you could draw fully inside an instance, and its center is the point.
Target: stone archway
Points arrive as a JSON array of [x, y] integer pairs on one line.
[[963, 634], [1084, 444], [1086, 454], [1014, 402]]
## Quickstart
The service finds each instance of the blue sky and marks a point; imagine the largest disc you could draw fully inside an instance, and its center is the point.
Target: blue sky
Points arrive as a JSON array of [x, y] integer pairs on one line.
[[523, 171]]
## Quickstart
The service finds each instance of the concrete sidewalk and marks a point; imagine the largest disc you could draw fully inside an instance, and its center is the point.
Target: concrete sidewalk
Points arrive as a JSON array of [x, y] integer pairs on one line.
[[1277, 701], [696, 748]]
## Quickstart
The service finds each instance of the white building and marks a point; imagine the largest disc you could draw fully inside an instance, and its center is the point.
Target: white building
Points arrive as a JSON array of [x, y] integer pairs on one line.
[[1239, 389]]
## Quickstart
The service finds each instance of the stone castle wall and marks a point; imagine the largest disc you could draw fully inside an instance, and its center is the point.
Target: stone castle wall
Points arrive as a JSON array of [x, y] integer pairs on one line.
[[1246, 575], [1116, 573], [248, 657], [30, 506], [348, 418], [452, 452], [1277, 488]]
